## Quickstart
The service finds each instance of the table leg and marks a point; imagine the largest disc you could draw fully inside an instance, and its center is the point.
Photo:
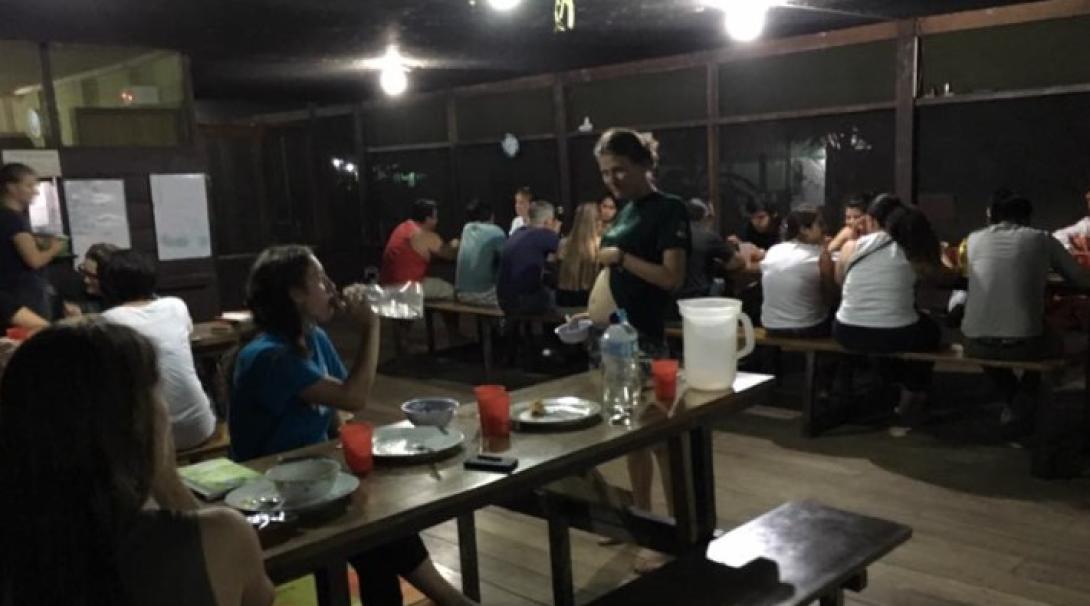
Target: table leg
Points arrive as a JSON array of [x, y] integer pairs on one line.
[[560, 556], [429, 324], [331, 585], [703, 464], [467, 552], [684, 497]]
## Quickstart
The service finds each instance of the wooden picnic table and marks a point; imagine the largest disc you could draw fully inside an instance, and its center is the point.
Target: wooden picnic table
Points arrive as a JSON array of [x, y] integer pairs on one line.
[[397, 500]]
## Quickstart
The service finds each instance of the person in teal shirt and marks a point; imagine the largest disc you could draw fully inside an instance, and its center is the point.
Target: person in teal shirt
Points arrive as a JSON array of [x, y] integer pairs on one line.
[[479, 257], [289, 384]]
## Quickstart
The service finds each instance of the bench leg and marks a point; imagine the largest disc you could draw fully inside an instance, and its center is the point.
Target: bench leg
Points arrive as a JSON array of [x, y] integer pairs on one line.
[[467, 553], [835, 598], [809, 396], [397, 339], [331, 585], [703, 473], [560, 556]]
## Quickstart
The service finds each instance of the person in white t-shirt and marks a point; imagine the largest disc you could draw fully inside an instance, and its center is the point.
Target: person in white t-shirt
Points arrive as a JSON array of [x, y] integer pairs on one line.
[[795, 302], [1067, 235], [523, 197], [128, 285]]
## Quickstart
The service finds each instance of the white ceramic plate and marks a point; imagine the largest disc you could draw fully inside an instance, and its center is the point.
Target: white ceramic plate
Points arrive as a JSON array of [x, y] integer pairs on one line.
[[399, 442], [559, 412], [260, 495]]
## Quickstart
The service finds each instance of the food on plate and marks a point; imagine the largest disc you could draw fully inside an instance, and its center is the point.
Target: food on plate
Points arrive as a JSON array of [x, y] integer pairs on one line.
[[537, 409]]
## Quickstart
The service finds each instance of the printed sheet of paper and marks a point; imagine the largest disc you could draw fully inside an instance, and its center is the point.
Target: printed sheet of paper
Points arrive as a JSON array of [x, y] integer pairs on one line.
[[180, 205]]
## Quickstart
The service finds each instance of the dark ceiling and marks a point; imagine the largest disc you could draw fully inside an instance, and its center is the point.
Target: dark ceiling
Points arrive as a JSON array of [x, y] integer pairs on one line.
[[305, 50]]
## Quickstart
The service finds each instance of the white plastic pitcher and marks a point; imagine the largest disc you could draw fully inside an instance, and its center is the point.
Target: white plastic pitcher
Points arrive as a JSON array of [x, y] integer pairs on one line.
[[710, 332]]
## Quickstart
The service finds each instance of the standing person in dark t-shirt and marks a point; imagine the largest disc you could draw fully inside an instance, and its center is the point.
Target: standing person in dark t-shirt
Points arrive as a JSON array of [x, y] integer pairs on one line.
[[646, 248], [20, 258], [645, 252]]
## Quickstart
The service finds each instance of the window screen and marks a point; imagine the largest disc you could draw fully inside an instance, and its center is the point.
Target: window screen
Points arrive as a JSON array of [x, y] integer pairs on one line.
[[492, 116], [653, 98], [1038, 147], [396, 179], [405, 121], [804, 162], [487, 175], [843, 75]]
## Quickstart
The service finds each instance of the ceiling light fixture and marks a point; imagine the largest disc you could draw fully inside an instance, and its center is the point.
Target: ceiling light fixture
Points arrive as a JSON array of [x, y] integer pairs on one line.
[[745, 19], [504, 5], [393, 73]]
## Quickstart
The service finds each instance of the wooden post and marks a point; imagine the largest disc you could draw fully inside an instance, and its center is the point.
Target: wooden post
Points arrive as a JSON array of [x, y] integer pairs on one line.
[[563, 156], [53, 135], [713, 140], [908, 59]]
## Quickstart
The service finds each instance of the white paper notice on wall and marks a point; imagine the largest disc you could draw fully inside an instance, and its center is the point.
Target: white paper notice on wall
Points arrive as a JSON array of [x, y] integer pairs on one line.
[[180, 205], [45, 162], [96, 213]]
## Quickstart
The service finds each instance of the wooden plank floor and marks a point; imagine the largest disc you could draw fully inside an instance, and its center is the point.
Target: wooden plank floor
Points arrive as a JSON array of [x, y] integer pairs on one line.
[[985, 532]]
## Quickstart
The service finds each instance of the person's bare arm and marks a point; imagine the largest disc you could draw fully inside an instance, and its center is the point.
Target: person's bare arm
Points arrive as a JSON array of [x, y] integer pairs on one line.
[[233, 559], [1065, 264], [29, 252], [25, 318], [167, 487], [845, 235], [669, 275], [846, 254], [352, 393]]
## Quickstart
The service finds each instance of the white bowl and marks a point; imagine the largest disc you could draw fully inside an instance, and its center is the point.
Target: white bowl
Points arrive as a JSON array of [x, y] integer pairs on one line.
[[305, 479], [436, 412], [574, 332]]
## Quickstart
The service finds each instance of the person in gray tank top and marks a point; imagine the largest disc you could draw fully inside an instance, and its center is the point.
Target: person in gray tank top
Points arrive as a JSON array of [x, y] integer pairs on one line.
[[92, 511]]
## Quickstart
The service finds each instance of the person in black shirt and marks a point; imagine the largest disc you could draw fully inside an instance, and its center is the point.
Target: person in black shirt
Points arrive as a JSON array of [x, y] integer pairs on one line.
[[711, 255], [20, 258], [763, 225]]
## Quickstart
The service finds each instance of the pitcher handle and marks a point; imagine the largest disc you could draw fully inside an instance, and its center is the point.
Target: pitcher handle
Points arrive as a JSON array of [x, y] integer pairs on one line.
[[747, 330]]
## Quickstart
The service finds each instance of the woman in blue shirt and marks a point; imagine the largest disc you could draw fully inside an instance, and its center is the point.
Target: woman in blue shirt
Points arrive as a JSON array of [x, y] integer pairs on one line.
[[288, 384]]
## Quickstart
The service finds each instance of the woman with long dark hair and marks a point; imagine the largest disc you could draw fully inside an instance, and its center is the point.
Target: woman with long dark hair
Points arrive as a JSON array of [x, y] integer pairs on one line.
[[92, 511], [288, 384], [877, 313]]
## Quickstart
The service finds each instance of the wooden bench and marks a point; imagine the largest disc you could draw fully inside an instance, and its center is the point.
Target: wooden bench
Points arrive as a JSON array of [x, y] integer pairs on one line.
[[486, 318], [215, 446], [953, 356], [793, 555]]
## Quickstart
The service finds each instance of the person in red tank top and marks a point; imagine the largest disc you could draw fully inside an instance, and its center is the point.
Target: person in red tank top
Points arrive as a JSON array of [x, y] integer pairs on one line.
[[412, 246]]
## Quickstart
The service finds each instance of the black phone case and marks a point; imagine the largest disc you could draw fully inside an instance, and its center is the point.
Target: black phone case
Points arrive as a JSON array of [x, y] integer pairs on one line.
[[493, 463]]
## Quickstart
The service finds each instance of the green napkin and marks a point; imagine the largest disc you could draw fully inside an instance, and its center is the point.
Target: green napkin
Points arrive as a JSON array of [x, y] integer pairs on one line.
[[216, 477]]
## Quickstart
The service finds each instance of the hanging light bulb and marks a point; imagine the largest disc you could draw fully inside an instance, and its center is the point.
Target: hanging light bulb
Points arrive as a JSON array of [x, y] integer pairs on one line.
[[745, 19], [504, 5], [393, 75]]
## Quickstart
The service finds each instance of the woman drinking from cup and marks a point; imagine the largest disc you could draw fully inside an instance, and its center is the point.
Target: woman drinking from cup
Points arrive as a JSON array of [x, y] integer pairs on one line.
[[288, 384], [92, 510]]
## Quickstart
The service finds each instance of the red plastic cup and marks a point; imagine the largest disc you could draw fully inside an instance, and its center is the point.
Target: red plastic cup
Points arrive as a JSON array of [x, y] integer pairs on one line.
[[17, 333], [665, 374], [494, 406], [356, 438]]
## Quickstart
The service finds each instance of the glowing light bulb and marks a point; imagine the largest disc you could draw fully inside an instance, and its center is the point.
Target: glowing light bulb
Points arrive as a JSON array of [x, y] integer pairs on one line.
[[504, 5], [745, 19], [394, 76], [393, 80]]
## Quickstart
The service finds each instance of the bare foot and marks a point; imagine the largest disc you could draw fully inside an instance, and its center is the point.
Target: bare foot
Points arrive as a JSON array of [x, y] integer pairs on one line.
[[648, 561]]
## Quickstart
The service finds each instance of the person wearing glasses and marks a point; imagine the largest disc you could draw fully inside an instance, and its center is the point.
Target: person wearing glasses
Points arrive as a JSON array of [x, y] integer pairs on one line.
[[86, 298]]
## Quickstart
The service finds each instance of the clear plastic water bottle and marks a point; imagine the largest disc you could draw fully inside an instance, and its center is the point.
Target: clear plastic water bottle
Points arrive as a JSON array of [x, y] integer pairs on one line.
[[621, 380]]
